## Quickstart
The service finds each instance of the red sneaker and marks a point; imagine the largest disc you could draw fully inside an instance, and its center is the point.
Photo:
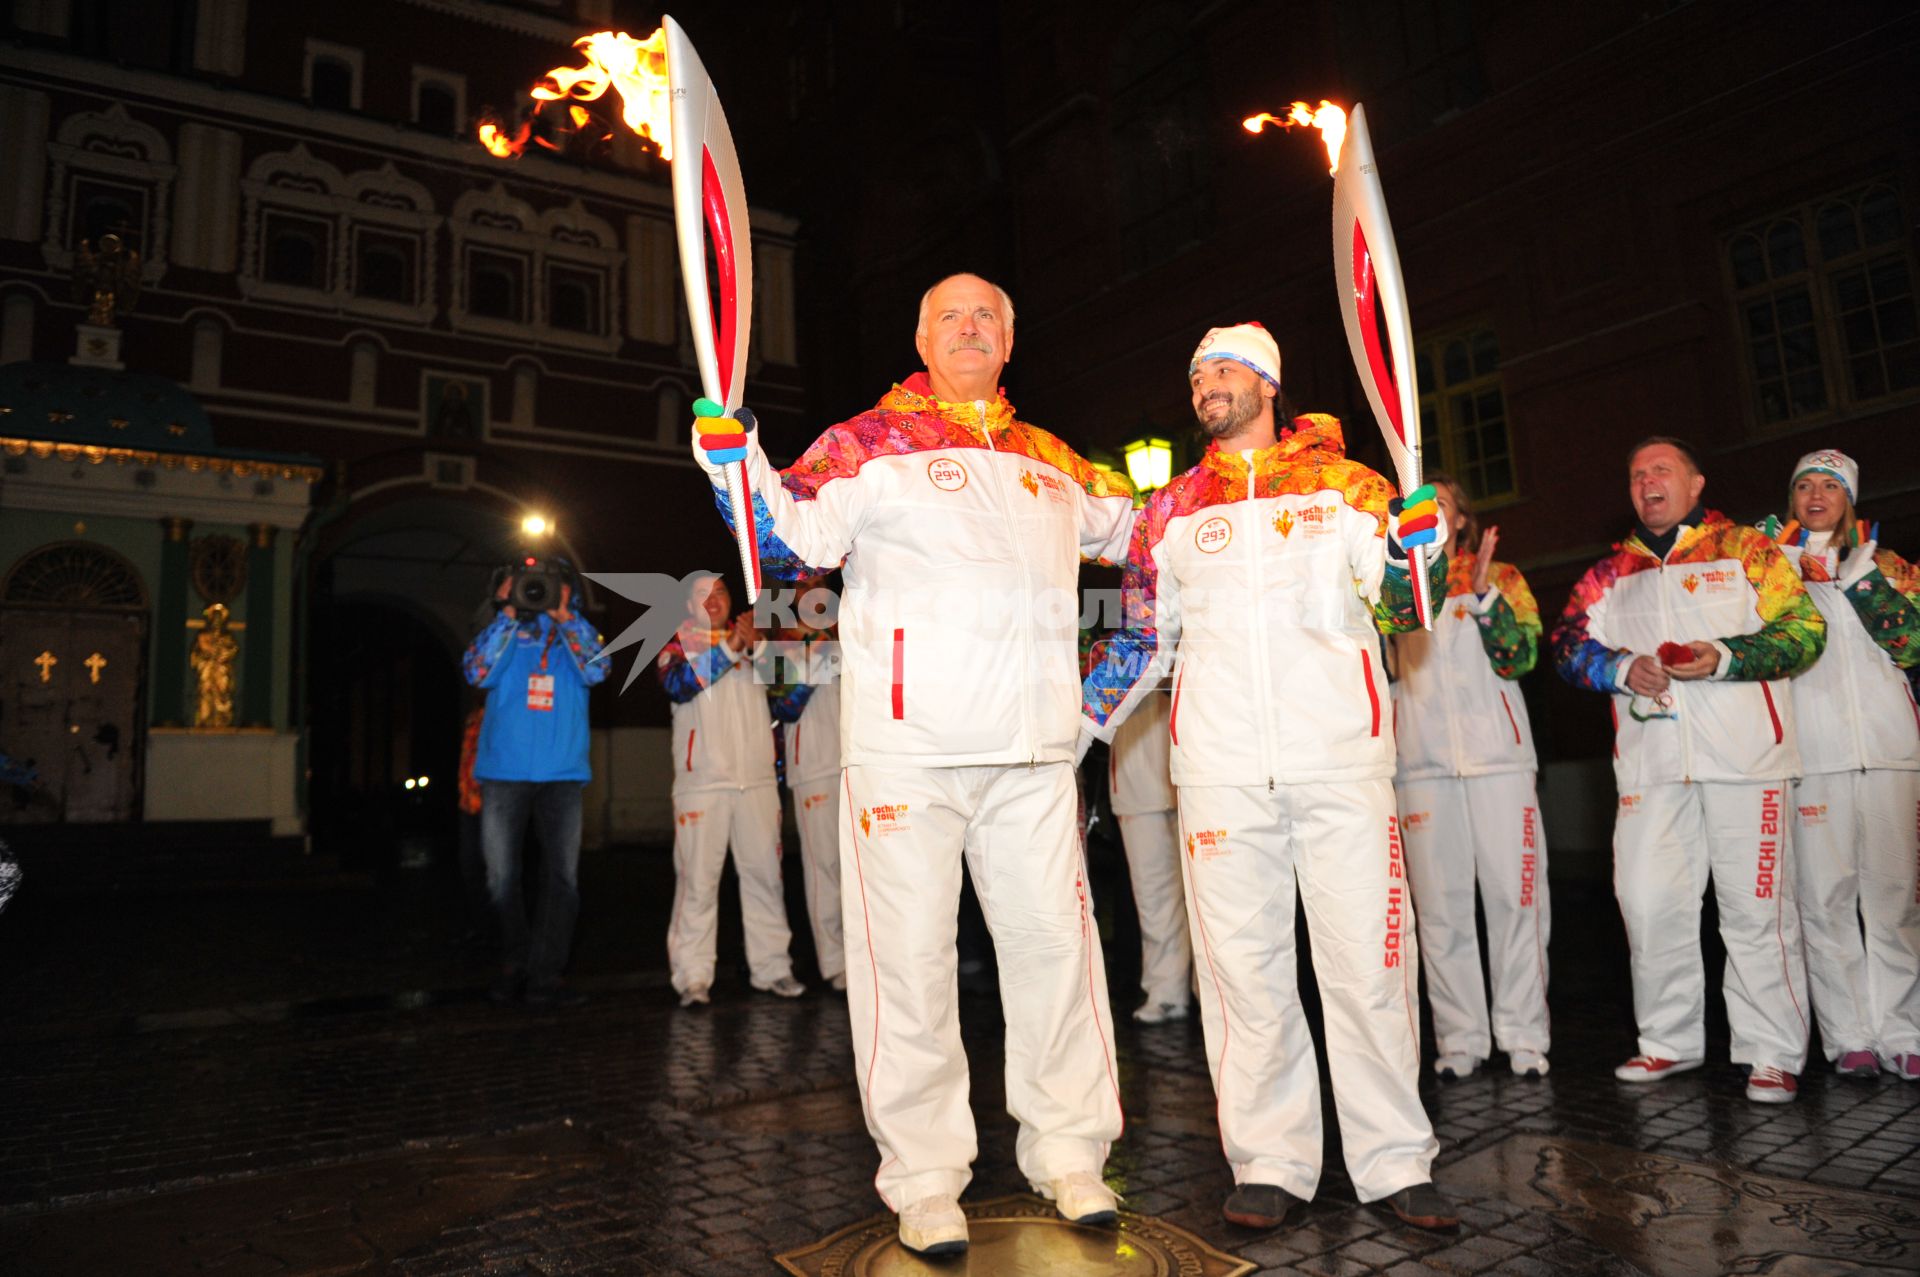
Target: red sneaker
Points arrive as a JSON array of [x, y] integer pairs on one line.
[[1651, 1068], [1768, 1085], [1860, 1063]]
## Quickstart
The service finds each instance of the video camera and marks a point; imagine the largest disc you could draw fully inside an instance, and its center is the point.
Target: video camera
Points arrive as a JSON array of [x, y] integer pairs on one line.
[[536, 584]]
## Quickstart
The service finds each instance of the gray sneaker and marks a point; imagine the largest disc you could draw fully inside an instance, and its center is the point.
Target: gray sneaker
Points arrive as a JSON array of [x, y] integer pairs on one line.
[[695, 996], [785, 987]]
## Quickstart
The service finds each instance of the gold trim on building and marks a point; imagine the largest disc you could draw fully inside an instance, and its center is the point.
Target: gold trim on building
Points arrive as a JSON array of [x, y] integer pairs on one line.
[[95, 454]]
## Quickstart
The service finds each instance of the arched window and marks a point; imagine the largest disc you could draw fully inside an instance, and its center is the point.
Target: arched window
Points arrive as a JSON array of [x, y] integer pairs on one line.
[[497, 290], [436, 108], [332, 83], [383, 268], [296, 250], [75, 574]]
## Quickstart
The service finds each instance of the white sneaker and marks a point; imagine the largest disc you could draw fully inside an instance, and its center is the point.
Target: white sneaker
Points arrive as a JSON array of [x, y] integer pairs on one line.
[[1652, 1068], [1455, 1067], [1082, 1198], [1527, 1063], [785, 987], [934, 1226], [695, 996], [1160, 1012], [838, 983]]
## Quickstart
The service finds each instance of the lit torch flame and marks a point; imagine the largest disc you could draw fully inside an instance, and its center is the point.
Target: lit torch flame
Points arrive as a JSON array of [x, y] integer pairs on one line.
[[636, 69], [1328, 118]]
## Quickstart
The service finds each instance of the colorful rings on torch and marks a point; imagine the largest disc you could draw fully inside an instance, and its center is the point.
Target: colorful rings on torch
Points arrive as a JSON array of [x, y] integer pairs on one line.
[[1419, 518], [720, 437]]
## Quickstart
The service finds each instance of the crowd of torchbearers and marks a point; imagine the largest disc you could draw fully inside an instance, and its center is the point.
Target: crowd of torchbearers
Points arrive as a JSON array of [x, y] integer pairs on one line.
[[1283, 734]]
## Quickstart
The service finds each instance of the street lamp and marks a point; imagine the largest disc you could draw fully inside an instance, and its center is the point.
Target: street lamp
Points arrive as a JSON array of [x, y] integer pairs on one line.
[[1149, 463]]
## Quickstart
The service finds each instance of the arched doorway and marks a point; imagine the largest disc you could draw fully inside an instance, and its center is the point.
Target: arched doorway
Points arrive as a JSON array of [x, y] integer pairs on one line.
[[73, 657], [399, 589]]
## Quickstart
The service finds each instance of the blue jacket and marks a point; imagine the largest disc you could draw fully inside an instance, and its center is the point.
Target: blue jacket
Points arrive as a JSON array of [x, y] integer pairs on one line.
[[535, 731]]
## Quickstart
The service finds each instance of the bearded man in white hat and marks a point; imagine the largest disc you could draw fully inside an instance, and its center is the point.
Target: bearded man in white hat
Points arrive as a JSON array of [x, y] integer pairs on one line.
[[1264, 577]]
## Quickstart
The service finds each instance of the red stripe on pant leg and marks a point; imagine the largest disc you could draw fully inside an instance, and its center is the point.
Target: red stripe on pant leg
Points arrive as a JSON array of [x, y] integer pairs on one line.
[[873, 965], [1086, 945]]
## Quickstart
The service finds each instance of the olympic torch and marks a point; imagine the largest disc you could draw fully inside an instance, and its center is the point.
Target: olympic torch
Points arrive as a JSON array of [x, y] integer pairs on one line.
[[1373, 300], [666, 96], [707, 185]]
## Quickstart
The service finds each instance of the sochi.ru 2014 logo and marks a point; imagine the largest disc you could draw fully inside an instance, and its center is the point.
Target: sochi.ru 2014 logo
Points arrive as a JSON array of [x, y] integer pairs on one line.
[[1690, 583], [1283, 523], [879, 821], [1028, 482], [1213, 535], [947, 474]]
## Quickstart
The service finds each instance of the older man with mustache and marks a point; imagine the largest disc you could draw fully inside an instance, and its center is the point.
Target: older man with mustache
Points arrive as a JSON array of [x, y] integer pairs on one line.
[[958, 529]]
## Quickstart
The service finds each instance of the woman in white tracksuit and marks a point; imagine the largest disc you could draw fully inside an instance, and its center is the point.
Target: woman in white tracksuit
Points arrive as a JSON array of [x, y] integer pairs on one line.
[[1142, 796], [1469, 806], [1857, 807]]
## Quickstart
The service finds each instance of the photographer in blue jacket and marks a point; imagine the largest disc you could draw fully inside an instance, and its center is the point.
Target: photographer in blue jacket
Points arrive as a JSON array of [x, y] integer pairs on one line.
[[535, 664]]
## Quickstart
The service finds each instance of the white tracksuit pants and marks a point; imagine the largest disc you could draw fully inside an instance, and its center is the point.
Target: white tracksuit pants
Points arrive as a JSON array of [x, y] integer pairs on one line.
[[1245, 851], [1152, 843], [1666, 840], [903, 833], [1457, 829], [704, 822], [1856, 854], [816, 809]]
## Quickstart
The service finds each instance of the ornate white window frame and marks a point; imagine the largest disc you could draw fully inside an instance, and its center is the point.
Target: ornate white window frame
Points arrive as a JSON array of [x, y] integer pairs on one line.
[[111, 144], [494, 220], [381, 199], [356, 60]]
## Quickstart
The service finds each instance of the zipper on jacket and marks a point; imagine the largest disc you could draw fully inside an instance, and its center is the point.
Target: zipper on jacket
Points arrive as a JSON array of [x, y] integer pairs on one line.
[[1686, 719], [899, 674], [691, 732], [1026, 595], [1511, 720], [1850, 704], [1260, 645], [1373, 697]]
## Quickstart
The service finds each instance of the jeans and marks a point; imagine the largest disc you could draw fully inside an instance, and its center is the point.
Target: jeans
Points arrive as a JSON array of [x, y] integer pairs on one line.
[[554, 807]]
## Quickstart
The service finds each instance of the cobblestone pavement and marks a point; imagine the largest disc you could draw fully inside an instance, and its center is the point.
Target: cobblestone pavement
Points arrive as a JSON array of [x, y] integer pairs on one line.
[[197, 1124]]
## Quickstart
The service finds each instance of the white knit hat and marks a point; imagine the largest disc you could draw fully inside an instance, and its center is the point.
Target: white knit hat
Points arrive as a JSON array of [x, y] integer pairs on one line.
[[1833, 462], [1247, 343]]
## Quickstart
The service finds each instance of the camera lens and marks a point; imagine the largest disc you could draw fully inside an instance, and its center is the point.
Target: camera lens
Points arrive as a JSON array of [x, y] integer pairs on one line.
[[534, 591]]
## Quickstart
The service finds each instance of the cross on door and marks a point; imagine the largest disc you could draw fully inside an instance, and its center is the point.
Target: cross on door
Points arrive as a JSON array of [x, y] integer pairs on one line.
[[95, 664], [46, 661]]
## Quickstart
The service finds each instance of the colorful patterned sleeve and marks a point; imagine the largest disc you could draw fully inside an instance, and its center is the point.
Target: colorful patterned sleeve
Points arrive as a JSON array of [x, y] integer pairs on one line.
[[583, 647], [482, 662], [1510, 629], [1887, 600], [788, 702], [1582, 659], [685, 677], [1393, 611], [1792, 633], [1134, 658], [799, 531]]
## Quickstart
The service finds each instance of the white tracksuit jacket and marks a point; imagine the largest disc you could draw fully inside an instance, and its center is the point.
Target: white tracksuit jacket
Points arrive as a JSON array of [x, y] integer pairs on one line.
[[1263, 577], [723, 793], [1857, 807], [1469, 809], [959, 532], [1703, 777]]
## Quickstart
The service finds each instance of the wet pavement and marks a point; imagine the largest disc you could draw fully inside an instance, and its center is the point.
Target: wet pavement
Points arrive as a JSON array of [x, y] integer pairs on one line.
[[306, 1078]]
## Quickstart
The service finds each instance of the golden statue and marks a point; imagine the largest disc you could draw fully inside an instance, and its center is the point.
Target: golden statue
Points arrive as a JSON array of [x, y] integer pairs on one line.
[[214, 652], [107, 280]]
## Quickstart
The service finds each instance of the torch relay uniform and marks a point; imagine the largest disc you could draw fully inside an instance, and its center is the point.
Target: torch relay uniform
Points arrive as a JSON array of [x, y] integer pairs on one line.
[[1468, 807], [959, 530], [1857, 806], [1263, 578], [1703, 774], [1140, 792], [532, 764], [723, 792], [809, 712]]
